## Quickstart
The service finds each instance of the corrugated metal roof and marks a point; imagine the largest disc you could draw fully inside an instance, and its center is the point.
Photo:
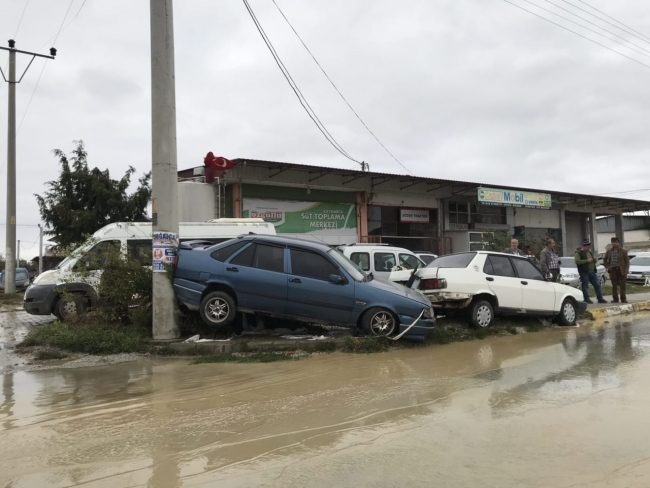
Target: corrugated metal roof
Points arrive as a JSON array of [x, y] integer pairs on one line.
[[636, 205]]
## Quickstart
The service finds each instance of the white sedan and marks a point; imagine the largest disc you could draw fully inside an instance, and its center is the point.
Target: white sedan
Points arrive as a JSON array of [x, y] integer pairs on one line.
[[487, 283], [569, 272]]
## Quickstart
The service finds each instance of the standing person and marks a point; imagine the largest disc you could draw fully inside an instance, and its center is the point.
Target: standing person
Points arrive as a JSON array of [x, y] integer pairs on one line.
[[617, 263], [587, 269], [514, 248], [549, 261]]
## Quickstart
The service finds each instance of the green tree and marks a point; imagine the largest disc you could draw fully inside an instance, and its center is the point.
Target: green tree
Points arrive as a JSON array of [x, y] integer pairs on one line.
[[83, 200]]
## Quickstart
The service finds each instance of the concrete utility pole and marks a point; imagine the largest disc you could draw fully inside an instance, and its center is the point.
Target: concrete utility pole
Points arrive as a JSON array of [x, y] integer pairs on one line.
[[10, 265], [18, 253], [164, 169], [40, 249]]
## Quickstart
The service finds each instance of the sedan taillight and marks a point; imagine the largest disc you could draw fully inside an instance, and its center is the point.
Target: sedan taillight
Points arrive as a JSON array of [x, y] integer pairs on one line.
[[433, 284]]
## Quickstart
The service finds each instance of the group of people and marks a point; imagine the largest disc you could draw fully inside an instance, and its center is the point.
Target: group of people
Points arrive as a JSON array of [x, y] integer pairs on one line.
[[616, 261]]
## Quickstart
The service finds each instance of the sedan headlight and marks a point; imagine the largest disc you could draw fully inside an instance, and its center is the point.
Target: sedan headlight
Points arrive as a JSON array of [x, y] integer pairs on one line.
[[428, 313]]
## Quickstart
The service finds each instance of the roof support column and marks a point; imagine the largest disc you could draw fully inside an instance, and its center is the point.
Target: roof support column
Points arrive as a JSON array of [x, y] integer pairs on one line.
[[618, 226], [362, 217], [593, 233], [563, 234]]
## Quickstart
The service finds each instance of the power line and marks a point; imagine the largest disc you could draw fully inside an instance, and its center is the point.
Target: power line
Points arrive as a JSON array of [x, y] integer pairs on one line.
[[587, 28], [294, 86], [642, 36], [600, 27], [21, 18], [578, 34], [336, 88]]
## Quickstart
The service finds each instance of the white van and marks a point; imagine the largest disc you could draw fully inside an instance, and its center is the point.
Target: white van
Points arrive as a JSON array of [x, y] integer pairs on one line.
[[43, 296], [383, 261]]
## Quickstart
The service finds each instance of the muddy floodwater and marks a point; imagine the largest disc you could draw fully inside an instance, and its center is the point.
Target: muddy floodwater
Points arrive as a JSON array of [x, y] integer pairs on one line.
[[559, 408]]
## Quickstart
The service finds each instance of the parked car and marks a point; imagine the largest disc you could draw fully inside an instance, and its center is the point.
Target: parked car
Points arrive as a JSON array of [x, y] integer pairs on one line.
[[425, 257], [298, 280], [383, 261], [487, 283], [80, 273], [22, 279], [569, 272], [639, 269]]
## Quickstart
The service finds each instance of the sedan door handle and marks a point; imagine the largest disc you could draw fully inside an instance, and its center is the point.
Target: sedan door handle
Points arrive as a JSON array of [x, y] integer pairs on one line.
[[234, 270], [489, 279], [294, 280], [524, 282]]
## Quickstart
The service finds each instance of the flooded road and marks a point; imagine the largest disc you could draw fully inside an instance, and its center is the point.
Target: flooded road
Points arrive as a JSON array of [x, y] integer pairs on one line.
[[559, 408]]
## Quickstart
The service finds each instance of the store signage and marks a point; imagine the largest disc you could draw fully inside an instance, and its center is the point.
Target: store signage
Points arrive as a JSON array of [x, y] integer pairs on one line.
[[414, 216], [458, 226], [511, 198], [294, 217]]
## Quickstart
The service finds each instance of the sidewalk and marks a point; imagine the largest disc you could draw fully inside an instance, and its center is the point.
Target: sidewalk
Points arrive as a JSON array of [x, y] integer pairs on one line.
[[637, 302]]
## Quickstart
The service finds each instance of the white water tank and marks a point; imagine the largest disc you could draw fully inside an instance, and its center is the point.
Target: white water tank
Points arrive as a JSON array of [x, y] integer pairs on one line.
[[196, 201]]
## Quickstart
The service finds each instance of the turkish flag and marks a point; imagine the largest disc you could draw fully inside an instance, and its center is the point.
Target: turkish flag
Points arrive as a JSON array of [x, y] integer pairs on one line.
[[218, 163]]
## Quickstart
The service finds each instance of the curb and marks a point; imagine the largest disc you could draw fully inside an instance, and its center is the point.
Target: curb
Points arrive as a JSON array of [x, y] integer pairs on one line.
[[623, 309], [226, 347]]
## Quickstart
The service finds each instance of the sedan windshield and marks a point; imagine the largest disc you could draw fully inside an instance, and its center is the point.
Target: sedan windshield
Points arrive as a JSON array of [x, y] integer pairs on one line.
[[640, 261], [569, 262], [352, 269]]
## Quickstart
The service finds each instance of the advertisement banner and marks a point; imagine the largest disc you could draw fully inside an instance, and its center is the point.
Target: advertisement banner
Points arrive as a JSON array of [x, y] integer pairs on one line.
[[165, 245], [414, 215], [511, 198], [293, 217]]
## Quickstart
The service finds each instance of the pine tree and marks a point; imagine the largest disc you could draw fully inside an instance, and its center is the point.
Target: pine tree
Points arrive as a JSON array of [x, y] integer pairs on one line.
[[84, 200]]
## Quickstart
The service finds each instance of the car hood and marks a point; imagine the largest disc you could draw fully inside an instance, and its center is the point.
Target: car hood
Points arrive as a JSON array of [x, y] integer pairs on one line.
[[640, 269], [397, 289]]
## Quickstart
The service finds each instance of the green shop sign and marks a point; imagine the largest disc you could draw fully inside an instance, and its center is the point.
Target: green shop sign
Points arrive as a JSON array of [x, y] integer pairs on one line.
[[511, 198], [292, 217]]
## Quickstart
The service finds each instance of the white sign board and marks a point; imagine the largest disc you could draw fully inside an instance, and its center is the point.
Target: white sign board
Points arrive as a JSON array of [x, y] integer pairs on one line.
[[414, 215], [164, 249]]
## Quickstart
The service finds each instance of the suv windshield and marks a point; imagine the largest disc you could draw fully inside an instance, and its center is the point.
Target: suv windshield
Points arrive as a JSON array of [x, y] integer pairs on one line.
[[453, 261], [640, 261], [352, 269]]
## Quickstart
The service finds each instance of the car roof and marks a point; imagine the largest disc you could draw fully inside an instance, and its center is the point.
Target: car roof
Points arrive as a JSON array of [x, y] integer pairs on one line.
[[643, 254], [375, 247]]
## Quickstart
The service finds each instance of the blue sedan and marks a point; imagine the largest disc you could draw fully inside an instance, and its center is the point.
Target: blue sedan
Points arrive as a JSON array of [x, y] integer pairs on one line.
[[297, 280]]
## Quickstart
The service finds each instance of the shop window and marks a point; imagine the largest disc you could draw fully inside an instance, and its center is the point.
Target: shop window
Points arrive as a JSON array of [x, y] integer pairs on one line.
[[477, 241], [385, 221], [458, 213], [486, 214], [361, 259]]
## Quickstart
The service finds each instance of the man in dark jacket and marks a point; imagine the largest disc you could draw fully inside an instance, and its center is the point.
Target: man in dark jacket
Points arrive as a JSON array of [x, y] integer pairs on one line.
[[514, 248], [549, 262], [617, 263], [587, 268]]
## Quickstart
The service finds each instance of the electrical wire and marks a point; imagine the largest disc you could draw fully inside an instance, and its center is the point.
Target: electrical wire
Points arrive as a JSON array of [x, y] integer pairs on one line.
[[337, 90], [578, 34], [587, 28], [21, 18], [294, 86], [27, 248], [640, 36], [600, 27]]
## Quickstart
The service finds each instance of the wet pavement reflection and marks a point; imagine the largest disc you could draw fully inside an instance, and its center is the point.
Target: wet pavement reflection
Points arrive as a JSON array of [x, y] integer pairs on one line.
[[560, 408]]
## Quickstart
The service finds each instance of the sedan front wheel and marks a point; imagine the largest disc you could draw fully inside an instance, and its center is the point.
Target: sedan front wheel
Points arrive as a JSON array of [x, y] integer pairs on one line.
[[379, 322], [218, 309]]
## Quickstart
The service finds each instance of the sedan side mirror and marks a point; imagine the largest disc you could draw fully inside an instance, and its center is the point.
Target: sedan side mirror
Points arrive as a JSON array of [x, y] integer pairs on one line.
[[549, 276], [336, 279]]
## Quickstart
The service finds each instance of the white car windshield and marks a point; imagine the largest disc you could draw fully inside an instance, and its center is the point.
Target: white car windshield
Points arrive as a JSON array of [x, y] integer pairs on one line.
[[352, 269], [640, 261]]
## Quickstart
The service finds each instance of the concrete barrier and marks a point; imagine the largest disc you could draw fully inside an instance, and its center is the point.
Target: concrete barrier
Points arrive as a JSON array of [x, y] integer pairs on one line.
[[619, 309]]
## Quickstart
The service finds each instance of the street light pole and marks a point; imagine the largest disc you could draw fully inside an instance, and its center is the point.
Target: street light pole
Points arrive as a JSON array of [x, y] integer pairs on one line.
[[12, 81], [40, 249], [164, 181]]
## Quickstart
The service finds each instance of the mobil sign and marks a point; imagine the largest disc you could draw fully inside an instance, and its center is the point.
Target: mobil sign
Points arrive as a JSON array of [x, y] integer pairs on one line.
[[512, 198]]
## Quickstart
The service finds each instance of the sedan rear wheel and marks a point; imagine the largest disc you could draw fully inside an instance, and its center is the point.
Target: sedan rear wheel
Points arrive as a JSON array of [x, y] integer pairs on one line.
[[217, 309], [481, 314], [379, 322]]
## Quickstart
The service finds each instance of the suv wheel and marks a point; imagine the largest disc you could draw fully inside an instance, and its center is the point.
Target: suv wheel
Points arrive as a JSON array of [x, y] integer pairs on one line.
[[568, 314], [481, 314], [218, 309], [66, 308], [379, 322]]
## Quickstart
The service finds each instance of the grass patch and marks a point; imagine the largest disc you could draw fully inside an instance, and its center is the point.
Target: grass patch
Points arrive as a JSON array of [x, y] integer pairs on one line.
[[46, 354], [323, 346], [254, 357], [91, 339], [365, 345], [11, 299], [629, 289]]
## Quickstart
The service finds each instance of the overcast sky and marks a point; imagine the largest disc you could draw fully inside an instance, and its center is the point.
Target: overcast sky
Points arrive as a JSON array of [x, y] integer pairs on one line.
[[475, 90]]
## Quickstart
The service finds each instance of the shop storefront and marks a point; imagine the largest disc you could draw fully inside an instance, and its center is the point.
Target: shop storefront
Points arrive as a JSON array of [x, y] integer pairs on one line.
[[411, 228]]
